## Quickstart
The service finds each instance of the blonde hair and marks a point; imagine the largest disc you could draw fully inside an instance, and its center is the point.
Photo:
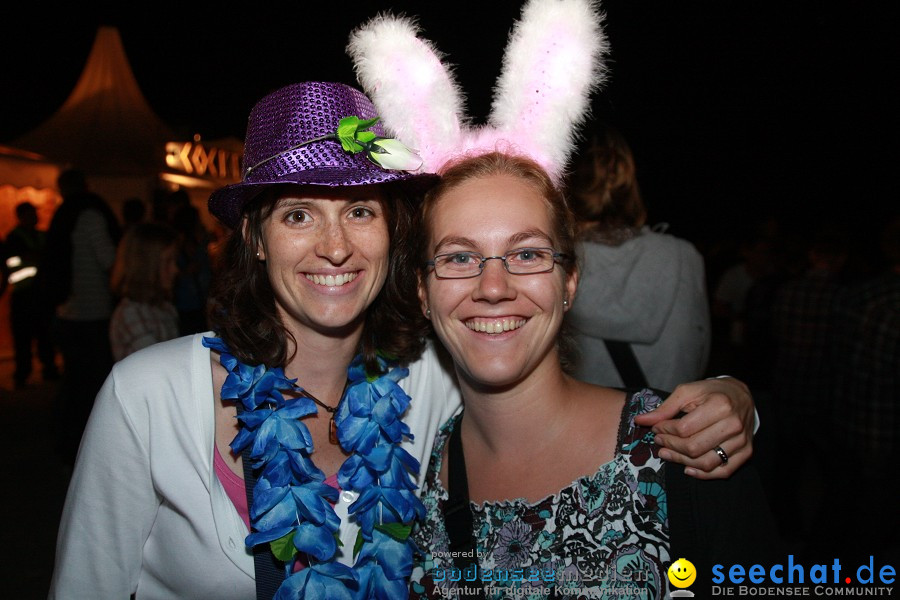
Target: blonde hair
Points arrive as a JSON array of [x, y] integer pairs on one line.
[[136, 272]]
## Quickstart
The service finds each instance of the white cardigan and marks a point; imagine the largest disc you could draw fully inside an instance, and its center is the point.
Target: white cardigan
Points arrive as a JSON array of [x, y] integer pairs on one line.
[[145, 512]]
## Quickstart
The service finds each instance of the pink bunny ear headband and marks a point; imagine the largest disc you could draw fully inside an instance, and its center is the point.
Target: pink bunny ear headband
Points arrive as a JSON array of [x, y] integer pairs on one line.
[[552, 64]]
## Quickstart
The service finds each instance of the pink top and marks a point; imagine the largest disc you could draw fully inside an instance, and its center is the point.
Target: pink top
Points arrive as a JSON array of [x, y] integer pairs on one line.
[[234, 486]]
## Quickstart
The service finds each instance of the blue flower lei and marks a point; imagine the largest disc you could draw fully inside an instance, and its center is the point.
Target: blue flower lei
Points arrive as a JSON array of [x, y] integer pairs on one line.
[[292, 509]]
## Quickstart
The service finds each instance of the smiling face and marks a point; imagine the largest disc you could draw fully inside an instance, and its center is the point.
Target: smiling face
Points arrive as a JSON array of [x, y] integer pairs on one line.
[[326, 256], [682, 573], [499, 327]]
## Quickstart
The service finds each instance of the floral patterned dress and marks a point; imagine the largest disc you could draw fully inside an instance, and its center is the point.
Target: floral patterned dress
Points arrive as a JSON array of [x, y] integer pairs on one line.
[[605, 535]]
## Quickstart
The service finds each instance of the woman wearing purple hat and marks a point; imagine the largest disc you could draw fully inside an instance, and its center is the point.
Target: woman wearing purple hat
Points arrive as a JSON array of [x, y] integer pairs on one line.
[[315, 308]]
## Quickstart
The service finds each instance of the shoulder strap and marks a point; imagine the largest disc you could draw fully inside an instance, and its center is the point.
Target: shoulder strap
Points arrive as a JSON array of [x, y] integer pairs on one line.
[[457, 512], [269, 572], [626, 363]]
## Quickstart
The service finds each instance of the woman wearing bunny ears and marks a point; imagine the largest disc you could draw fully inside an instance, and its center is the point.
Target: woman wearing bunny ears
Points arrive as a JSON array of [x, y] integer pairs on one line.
[[279, 454], [553, 62], [543, 486]]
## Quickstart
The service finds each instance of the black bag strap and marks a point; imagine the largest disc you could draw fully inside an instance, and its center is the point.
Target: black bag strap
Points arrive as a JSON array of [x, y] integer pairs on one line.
[[626, 363], [269, 571], [457, 512]]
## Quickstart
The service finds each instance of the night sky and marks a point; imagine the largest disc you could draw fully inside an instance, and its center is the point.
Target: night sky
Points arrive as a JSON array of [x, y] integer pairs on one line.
[[734, 110]]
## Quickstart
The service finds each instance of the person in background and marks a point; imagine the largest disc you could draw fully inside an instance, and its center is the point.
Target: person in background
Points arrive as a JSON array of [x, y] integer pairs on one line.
[[864, 407], [73, 277], [194, 266], [739, 297], [644, 316], [134, 211], [21, 254], [801, 331], [143, 277]]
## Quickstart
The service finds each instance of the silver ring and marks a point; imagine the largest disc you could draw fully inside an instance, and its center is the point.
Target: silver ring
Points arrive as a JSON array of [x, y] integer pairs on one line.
[[722, 455]]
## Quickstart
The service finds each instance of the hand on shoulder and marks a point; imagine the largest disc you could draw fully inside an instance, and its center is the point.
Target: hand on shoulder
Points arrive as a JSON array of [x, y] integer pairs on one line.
[[719, 414]]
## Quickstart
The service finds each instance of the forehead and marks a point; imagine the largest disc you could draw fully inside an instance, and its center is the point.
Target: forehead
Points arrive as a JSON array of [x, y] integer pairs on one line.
[[489, 206], [320, 192]]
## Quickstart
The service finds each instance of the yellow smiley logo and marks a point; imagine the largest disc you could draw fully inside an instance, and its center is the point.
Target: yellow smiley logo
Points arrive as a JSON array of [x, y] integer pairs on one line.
[[682, 573]]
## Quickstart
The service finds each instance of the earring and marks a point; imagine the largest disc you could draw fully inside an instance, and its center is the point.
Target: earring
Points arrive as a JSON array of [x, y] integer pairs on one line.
[[566, 302], [428, 312]]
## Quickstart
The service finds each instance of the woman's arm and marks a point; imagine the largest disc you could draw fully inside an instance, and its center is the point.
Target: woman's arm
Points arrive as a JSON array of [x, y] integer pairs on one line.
[[718, 413]]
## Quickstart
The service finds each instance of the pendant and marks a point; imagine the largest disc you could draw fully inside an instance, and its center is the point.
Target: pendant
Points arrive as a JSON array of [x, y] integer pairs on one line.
[[332, 431]]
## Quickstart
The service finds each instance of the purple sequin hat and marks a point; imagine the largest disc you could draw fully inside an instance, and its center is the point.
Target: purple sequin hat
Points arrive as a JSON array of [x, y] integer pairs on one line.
[[283, 146]]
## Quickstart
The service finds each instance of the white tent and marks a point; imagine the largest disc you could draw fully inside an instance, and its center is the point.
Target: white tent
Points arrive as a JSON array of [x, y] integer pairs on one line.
[[105, 127]]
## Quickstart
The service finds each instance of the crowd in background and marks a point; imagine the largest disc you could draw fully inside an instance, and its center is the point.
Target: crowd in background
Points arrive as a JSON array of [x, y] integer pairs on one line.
[[98, 285], [809, 316]]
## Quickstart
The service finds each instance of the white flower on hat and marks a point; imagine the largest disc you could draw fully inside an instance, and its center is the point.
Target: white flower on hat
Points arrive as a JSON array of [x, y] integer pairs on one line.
[[394, 155]]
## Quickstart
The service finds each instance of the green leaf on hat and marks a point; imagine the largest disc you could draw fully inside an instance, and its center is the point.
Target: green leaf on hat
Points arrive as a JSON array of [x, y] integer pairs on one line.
[[352, 135]]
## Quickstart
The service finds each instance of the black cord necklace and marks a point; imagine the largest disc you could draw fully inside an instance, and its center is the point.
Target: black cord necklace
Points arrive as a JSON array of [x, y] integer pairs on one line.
[[332, 427]]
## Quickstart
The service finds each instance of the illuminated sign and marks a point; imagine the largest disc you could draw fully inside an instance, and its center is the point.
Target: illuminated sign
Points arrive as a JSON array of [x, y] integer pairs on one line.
[[200, 161]]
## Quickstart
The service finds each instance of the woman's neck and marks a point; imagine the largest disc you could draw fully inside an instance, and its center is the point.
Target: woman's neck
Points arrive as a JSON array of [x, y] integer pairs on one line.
[[320, 364], [518, 441], [503, 420]]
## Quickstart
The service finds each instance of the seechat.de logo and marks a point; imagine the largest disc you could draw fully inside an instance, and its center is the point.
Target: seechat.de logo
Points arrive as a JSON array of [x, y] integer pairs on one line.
[[798, 579]]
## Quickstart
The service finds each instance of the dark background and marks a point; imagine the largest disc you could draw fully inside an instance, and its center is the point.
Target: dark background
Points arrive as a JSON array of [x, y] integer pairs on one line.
[[735, 110]]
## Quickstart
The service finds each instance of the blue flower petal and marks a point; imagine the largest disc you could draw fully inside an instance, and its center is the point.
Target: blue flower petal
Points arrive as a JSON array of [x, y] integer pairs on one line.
[[379, 459], [336, 570], [292, 434], [265, 496], [304, 468], [283, 514], [375, 585], [311, 505], [293, 587], [243, 439], [393, 555], [253, 419], [276, 472], [353, 474], [263, 537], [315, 541], [403, 503], [297, 408]]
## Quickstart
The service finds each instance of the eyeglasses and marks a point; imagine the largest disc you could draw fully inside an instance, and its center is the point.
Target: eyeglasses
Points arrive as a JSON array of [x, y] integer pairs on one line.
[[523, 261]]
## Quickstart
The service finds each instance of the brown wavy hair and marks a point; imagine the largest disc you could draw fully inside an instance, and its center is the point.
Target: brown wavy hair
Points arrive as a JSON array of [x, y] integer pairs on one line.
[[242, 307]]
